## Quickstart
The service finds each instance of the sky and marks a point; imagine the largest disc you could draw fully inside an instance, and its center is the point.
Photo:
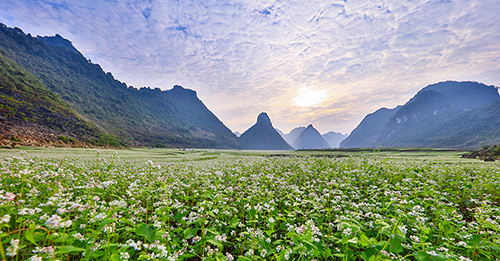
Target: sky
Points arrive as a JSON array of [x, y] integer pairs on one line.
[[326, 63]]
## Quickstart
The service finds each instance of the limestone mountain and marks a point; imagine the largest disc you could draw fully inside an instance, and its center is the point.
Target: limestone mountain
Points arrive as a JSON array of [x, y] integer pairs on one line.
[[365, 135], [144, 116], [293, 134], [461, 115], [334, 138], [310, 138], [263, 136], [31, 114]]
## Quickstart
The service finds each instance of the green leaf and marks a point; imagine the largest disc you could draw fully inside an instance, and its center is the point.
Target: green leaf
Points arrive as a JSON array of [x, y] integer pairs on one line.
[[421, 256], [69, 249], [475, 239], [105, 222], [244, 258], [364, 240], [29, 234], [214, 242], [114, 257], [147, 231]]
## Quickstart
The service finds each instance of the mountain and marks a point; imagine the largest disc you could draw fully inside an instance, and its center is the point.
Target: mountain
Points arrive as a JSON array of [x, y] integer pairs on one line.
[[310, 139], [292, 135], [58, 40], [263, 136], [31, 114], [365, 135], [237, 133], [462, 115], [334, 138], [145, 116]]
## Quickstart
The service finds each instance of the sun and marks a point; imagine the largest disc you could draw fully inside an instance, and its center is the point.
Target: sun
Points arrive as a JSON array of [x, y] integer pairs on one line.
[[309, 97]]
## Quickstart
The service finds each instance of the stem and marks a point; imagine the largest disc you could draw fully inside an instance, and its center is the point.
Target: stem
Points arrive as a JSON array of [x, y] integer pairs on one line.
[[2, 251]]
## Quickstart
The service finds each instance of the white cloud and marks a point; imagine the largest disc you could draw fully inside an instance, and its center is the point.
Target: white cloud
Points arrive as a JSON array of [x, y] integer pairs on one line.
[[247, 56]]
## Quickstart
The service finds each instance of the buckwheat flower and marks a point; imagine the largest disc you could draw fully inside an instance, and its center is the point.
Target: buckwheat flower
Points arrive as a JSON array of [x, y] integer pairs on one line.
[[9, 196], [263, 253], [35, 258], [287, 255], [53, 222], [196, 239], [108, 229], [415, 239], [462, 244], [66, 223], [229, 257], [406, 246], [462, 258], [278, 248], [432, 253], [14, 246], [5, 219], [403, 229], [271, 220], [347, 232], [124, 256], [79, 236]]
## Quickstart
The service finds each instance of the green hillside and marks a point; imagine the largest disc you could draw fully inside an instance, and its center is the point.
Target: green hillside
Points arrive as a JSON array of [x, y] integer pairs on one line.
[[25, 103], [461, 115], [139, 117]]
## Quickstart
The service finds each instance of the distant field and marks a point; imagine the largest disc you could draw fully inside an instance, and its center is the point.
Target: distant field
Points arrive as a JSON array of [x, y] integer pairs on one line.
[[212, 154], [171, 204]]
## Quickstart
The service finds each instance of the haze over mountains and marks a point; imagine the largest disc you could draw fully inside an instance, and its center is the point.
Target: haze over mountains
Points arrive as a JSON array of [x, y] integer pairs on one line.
[[50, 91]]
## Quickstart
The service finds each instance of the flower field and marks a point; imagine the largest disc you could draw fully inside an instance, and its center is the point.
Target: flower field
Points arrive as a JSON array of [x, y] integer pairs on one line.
[[281, 208]]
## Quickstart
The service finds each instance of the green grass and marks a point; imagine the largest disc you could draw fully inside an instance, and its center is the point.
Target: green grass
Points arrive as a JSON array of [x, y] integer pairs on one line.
[[168, 154]]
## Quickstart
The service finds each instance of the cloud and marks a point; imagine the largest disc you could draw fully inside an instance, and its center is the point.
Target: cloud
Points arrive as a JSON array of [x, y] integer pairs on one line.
[[244, 56]]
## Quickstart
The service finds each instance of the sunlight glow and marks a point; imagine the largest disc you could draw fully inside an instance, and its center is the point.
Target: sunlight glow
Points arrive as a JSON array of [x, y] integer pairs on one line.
[[308, 97]]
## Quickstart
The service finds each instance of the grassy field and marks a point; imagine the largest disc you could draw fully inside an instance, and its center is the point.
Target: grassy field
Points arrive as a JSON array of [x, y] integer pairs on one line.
[[168, 155], [171, 204]]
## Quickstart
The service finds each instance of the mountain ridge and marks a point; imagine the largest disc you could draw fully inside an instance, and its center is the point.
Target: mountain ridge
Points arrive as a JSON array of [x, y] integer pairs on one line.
[[145, 116], [438, 116]]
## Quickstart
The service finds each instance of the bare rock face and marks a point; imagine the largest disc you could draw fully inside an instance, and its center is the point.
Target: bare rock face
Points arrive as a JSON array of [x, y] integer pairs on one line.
[[263, 136]]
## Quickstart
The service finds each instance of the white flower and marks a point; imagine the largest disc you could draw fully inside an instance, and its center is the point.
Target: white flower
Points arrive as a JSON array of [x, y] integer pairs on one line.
[[124, 255], [432, 253], [14, 246], [54, 221], [403, 229], [35, 258], [229, 257], [271, 220], [5, 219]]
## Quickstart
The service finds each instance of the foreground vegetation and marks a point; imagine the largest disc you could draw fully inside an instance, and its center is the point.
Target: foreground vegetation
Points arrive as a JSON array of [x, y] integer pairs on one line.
[[233, 207]]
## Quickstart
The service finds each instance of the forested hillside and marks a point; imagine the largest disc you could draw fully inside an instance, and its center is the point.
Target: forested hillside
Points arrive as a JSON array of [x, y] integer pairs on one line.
[[137, 116], [31, 114]]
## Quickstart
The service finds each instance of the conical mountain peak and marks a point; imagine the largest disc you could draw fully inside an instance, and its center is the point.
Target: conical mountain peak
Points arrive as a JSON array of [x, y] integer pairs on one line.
[[263, 118], [310, 138], [263, 136]]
